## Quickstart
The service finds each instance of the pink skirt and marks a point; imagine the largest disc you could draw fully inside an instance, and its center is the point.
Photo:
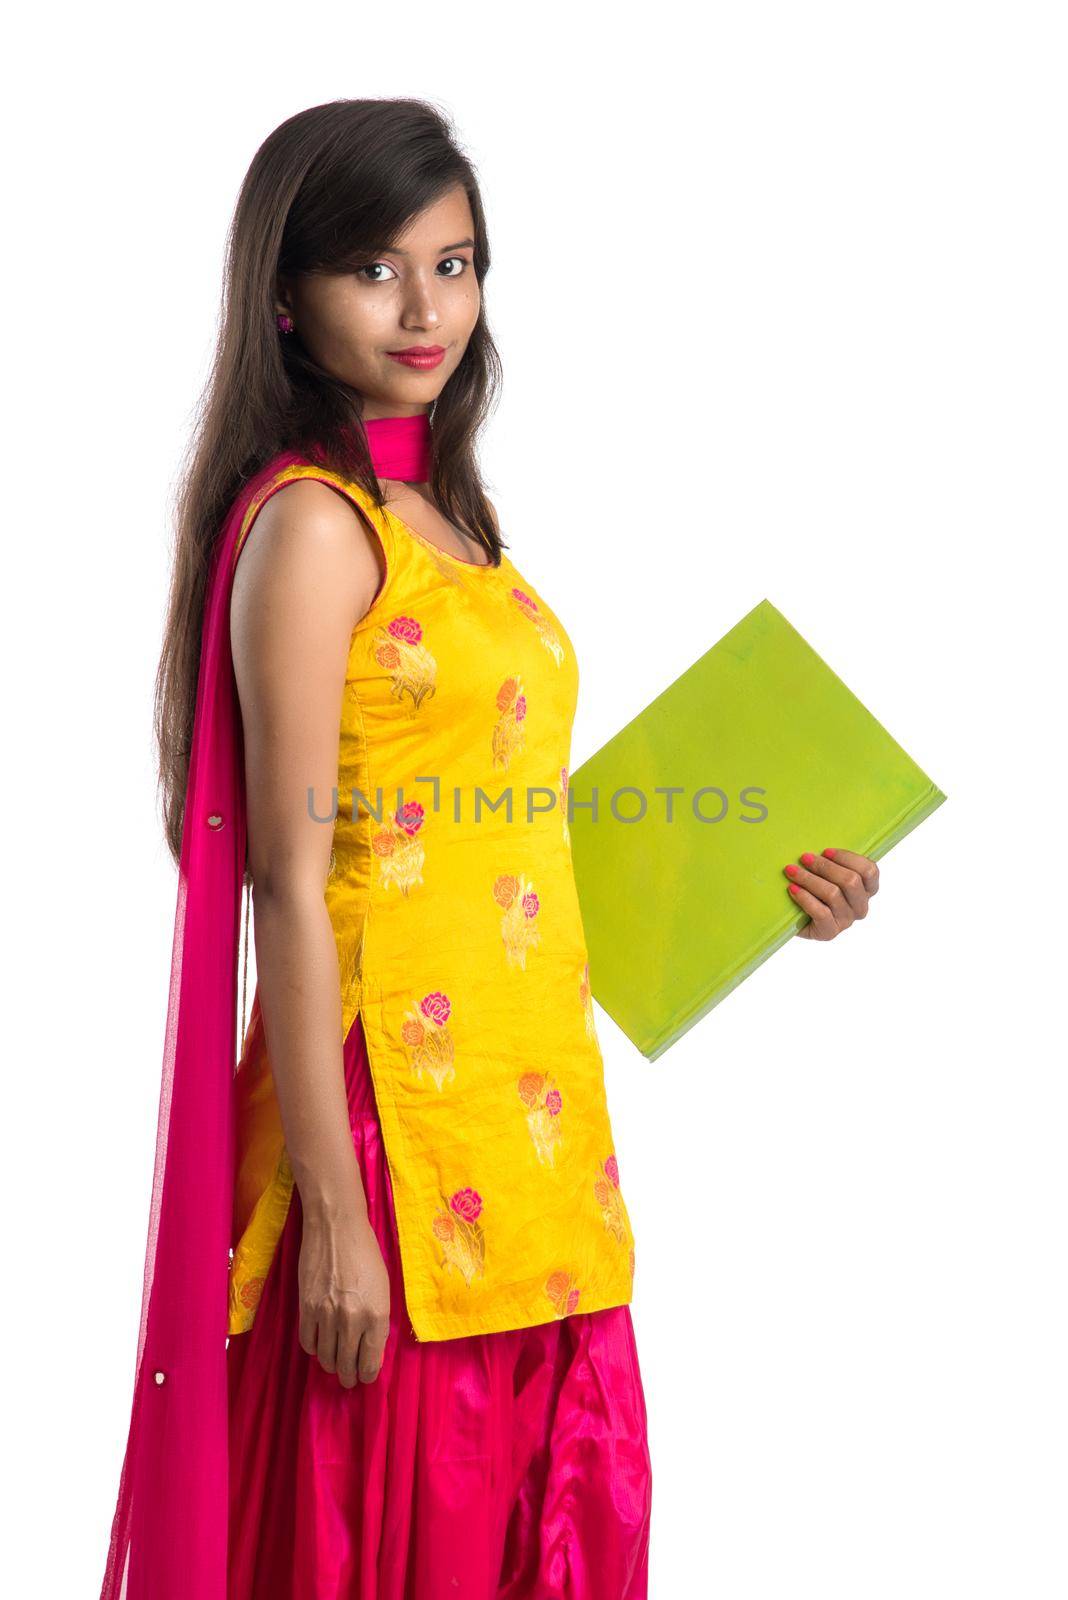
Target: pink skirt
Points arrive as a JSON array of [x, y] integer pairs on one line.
[[498, 1466]]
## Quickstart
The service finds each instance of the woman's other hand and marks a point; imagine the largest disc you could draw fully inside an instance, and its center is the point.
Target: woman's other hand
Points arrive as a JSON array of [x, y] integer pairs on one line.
[[344, 1295], [834, 888]]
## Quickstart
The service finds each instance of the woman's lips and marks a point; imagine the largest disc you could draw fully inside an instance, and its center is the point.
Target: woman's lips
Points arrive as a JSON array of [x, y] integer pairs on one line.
[[423, 356]]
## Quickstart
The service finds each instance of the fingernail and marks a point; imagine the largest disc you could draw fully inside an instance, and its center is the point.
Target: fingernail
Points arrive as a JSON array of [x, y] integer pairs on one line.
[[792, 888], [791, 871], [829, 854], [807, 857]]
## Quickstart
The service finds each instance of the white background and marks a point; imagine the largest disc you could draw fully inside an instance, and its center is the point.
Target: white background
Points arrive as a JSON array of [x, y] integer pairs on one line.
[[780, 294]]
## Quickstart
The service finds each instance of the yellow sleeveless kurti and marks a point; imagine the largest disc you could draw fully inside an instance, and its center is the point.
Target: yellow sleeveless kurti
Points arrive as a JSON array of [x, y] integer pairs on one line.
[[460, 941]]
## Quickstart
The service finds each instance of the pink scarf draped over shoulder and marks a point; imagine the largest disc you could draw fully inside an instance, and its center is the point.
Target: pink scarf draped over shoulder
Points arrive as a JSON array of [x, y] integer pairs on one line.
[[169, 1533]]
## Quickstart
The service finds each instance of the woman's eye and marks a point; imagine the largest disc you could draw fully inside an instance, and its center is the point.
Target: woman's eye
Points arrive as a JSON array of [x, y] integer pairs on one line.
[[458, 261], [375, 266]]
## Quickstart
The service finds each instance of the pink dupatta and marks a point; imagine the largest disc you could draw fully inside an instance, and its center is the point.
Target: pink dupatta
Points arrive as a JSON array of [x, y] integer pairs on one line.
[[169, 1533]]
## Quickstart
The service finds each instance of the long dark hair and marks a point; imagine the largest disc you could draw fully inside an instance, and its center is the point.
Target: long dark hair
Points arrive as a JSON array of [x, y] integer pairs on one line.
[[330, 189]]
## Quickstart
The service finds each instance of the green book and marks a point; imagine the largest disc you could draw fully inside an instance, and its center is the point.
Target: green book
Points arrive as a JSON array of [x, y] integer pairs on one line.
[[768, 754]]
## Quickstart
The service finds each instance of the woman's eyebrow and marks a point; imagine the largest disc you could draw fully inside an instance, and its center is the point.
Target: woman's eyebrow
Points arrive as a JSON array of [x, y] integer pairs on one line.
[[392, 250]]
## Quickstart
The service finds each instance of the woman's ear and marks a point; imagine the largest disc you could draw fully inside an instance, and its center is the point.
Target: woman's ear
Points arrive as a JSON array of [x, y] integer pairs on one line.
[[283, 297]]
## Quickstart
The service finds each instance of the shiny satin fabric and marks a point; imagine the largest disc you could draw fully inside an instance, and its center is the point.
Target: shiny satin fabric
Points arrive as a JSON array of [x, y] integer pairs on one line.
[[499, 1466]]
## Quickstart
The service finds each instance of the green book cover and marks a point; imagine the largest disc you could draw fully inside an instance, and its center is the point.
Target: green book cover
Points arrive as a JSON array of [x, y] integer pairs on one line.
[[766, 753]]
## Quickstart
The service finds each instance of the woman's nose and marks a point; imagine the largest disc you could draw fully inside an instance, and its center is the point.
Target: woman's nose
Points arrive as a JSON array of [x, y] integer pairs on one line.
[[421, 309]]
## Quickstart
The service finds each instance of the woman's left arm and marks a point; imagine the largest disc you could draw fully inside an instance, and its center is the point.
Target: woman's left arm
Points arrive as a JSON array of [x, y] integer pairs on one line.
[[834, 889]]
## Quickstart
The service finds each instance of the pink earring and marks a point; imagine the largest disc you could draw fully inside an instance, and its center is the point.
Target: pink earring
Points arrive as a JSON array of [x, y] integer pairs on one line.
[[284, 323]]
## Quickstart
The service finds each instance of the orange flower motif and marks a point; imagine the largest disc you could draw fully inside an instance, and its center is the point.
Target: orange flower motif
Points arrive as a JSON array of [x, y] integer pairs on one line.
[[412, 1031], [387, 655], [250, 1292], [530, 1087], [505, 889]]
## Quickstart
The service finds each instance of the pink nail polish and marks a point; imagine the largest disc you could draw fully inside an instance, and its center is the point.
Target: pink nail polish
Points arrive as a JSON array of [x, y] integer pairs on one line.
[[807, 857], [829, 854], [792, 888], [791, 871]]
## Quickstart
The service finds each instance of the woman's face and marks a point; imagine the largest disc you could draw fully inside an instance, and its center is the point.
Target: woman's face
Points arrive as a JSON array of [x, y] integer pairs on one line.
[[422, 293]]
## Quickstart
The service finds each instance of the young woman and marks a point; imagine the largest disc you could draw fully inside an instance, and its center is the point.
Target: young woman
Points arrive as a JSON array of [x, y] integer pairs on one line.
[[419, 1377]]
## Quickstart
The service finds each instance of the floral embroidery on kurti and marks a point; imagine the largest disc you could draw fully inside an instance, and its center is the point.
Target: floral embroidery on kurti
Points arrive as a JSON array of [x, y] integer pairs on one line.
[[562, 792], [460, 1234], [399, 849], [399, 648], [586, 996], [563, 1292], [548, 634], [508, 730], [426, 1035], [607, 1194], [250, 1292], [543, 1102], [519, 923]]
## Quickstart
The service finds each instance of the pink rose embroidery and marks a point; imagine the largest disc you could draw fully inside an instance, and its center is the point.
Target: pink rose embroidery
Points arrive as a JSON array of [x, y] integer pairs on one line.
[[410, 816], [437, 1007], [406, 628], [467, 1203]]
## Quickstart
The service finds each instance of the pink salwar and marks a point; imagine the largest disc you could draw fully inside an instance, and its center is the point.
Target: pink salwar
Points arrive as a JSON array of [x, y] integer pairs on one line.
[[500, 1466]]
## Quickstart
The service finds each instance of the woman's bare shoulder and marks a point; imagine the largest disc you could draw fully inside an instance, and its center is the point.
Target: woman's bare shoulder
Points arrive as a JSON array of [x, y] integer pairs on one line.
[[308, 533]]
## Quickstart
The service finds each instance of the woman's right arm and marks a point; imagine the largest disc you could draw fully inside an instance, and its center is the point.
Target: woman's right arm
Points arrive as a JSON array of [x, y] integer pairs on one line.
[[307, 573]]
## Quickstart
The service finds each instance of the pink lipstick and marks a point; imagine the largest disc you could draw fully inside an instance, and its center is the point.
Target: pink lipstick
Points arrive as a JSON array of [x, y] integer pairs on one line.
[[421, 356]]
